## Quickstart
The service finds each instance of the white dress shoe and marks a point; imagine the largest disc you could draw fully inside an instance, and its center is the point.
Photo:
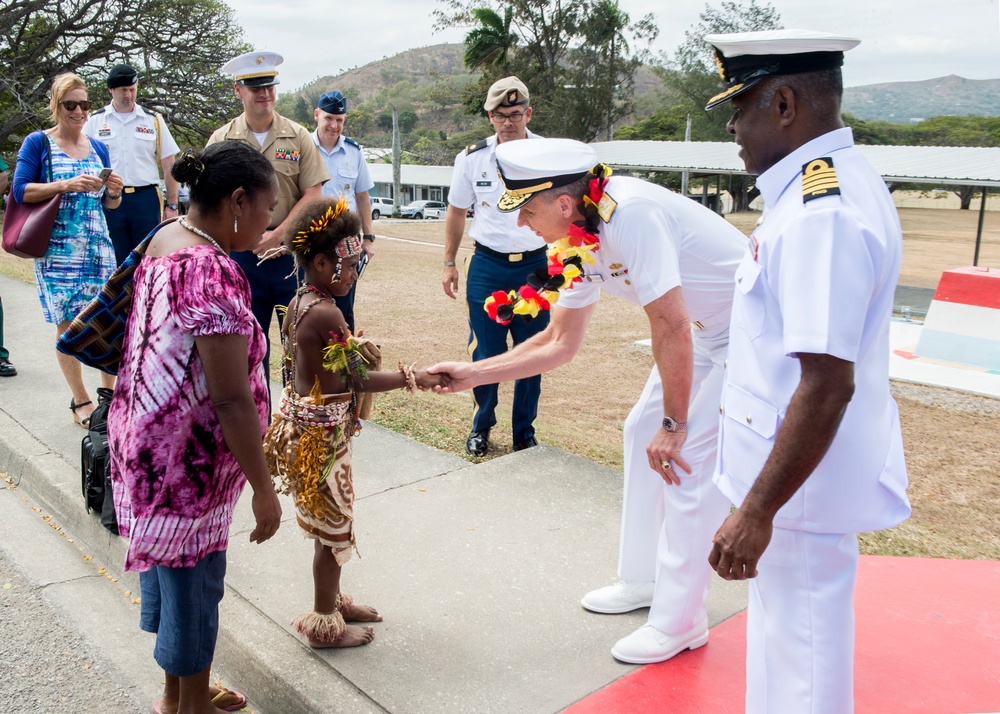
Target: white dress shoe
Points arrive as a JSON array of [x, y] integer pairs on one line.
[[623, 596], [647, 644]]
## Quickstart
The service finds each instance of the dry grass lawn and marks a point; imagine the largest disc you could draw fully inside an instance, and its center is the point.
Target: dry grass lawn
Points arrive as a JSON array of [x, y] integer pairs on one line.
[[951, 440]]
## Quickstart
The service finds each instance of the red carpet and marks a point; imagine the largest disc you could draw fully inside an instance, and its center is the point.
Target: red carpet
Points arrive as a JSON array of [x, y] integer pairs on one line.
[[928, 641]]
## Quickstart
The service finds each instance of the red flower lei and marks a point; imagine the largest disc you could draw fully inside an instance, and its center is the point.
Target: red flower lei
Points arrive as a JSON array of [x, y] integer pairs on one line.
[[566, 258]]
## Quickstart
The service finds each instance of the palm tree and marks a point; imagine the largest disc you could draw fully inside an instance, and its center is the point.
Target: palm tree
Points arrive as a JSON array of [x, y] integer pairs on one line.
[[492, 43]]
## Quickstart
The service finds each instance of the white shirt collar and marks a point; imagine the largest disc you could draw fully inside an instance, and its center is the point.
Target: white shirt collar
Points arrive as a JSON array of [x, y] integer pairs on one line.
[[339, 146], [773, 182]]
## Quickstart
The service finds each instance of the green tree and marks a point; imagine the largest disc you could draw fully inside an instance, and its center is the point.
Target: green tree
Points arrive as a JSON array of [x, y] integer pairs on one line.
[[177, 46], [407, 120], [558, 54], [602, 71], [492, 43], [691, 73]]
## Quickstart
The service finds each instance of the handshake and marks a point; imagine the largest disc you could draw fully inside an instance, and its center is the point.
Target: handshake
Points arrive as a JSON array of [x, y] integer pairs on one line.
[[445, 377]]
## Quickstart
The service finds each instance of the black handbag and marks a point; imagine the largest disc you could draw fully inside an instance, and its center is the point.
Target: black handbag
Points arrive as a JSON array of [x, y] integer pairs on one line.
[[27, 227]]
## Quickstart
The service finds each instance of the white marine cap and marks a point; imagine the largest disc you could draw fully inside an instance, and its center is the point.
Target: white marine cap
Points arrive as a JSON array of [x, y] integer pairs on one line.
[[254, 69], [746, 58], [530, 166]]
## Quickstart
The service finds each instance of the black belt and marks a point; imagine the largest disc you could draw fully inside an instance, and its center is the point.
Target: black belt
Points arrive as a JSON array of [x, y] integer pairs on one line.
[[512, 257], [136, 189]]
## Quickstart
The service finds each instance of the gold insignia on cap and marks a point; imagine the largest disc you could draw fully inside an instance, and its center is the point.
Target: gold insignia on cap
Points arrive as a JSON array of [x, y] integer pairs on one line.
[[512, 96], [725, 95], [261, 59], [819, 179], [720, 66]]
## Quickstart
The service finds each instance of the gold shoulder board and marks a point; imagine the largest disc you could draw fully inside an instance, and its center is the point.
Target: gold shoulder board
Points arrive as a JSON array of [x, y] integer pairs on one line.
[[606, 207], [819, 179]]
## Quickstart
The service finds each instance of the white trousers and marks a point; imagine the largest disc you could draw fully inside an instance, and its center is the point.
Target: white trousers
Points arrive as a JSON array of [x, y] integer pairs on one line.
[[800, 625], [667, 531]]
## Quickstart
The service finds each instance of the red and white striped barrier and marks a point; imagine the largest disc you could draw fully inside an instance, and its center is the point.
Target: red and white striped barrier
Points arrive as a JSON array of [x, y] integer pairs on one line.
[[963, 322]]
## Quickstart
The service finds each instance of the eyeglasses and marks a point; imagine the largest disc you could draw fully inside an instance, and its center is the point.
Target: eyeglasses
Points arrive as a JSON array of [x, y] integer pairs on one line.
[[71, 105], [513, 117]]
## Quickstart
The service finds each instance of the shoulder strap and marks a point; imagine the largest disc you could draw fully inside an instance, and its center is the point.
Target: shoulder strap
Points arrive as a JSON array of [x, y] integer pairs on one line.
[[46, 149], [472, 148], [352, 142], [156, 121]]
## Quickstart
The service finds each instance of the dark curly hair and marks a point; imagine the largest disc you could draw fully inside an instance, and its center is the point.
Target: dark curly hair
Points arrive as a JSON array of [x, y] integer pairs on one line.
[[214, 173], [319, 240]]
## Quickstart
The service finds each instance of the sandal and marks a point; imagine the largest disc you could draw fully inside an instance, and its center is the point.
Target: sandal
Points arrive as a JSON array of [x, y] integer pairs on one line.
[[241, 700], [73, 406]]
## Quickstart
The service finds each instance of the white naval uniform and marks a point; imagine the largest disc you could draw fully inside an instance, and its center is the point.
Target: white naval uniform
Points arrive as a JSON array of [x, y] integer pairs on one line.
[[655, 241], [819, 278], [348, 170], [131, 141], [476, 182]]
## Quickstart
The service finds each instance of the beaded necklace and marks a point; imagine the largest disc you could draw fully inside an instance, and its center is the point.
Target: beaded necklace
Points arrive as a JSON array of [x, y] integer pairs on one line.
[[198, 232], [566, 259]]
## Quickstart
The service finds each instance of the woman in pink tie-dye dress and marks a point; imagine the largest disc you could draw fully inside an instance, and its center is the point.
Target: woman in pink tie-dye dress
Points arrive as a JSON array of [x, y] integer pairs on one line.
[[188, 415]]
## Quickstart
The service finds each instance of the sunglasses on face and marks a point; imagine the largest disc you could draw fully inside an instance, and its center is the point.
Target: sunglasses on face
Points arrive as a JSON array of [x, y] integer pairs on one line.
[[71, 105]]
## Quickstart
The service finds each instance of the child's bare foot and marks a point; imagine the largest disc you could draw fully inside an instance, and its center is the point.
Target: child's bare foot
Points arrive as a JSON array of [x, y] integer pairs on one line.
[[359, 613], [353, 636]]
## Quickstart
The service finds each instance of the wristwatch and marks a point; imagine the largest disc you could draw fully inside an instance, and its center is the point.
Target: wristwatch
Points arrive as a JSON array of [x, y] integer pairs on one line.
[[670, 424], [368, 236], [171, 206]]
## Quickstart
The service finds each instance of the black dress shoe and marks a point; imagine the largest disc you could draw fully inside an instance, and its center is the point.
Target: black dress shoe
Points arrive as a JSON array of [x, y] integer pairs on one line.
[[6, 368], [526, 444], [478, 443]]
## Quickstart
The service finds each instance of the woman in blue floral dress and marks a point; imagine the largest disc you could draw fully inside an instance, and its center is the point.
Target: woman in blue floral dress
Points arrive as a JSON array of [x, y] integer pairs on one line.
[[80, 257]]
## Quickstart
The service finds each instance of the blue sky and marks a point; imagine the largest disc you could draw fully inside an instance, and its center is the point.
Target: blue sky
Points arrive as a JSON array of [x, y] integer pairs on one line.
[[902, 40]]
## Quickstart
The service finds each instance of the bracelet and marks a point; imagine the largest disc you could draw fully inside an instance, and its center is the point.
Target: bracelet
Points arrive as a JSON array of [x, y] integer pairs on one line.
[[411, 379], [113, 198], [449, 263]]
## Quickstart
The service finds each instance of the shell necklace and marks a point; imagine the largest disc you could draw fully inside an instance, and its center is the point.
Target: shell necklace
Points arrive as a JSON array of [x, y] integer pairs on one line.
[[198, 232]]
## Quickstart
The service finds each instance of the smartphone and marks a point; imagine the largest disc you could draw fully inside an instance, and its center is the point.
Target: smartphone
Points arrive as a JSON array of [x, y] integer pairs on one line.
[[362, 262], [105, 173]]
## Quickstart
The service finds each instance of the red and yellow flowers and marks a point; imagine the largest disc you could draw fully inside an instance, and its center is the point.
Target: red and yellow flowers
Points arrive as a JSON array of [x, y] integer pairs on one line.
[[566, 258]]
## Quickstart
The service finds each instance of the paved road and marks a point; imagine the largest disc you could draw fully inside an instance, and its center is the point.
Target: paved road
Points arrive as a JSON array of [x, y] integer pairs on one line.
[[45, 665]]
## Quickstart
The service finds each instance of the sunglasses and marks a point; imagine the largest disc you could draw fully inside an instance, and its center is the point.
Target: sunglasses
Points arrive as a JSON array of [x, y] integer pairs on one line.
[[71, 105]]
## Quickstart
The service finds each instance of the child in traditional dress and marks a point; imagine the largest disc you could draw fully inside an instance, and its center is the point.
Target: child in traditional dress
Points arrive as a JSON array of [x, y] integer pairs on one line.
[[308, 444]]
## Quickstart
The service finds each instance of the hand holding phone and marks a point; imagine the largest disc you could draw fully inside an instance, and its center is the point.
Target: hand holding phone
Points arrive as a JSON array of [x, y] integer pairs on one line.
[[104, 175]]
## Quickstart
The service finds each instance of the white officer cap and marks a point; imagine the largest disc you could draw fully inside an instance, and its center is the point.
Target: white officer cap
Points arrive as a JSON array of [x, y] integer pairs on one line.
[[254, 69], [530, 166], [746, 58]]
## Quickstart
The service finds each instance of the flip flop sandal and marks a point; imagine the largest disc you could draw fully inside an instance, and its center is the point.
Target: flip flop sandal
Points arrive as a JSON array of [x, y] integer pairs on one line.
[[73, 406], [232, 707]]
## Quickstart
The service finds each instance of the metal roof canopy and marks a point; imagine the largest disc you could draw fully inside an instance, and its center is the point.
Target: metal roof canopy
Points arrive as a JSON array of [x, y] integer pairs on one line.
[[943, 165]]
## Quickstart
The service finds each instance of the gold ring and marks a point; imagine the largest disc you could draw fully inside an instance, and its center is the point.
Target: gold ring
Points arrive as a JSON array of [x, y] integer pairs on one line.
[[665, 465]]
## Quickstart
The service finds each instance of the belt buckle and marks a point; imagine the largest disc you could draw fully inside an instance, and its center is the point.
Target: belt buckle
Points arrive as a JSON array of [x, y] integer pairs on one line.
[[515, 257], [129, 189]]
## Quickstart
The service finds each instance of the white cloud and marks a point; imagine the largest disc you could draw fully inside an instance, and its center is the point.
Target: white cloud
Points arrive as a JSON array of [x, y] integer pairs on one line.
[[901, 40]]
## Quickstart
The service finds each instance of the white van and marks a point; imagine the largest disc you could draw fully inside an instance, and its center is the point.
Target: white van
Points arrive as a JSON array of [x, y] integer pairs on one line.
[[381, 207]]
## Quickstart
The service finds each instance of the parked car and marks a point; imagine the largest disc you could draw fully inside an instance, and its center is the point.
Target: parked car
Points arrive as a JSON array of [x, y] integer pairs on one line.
[[418, 209], [381, 207], [435, 212]]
